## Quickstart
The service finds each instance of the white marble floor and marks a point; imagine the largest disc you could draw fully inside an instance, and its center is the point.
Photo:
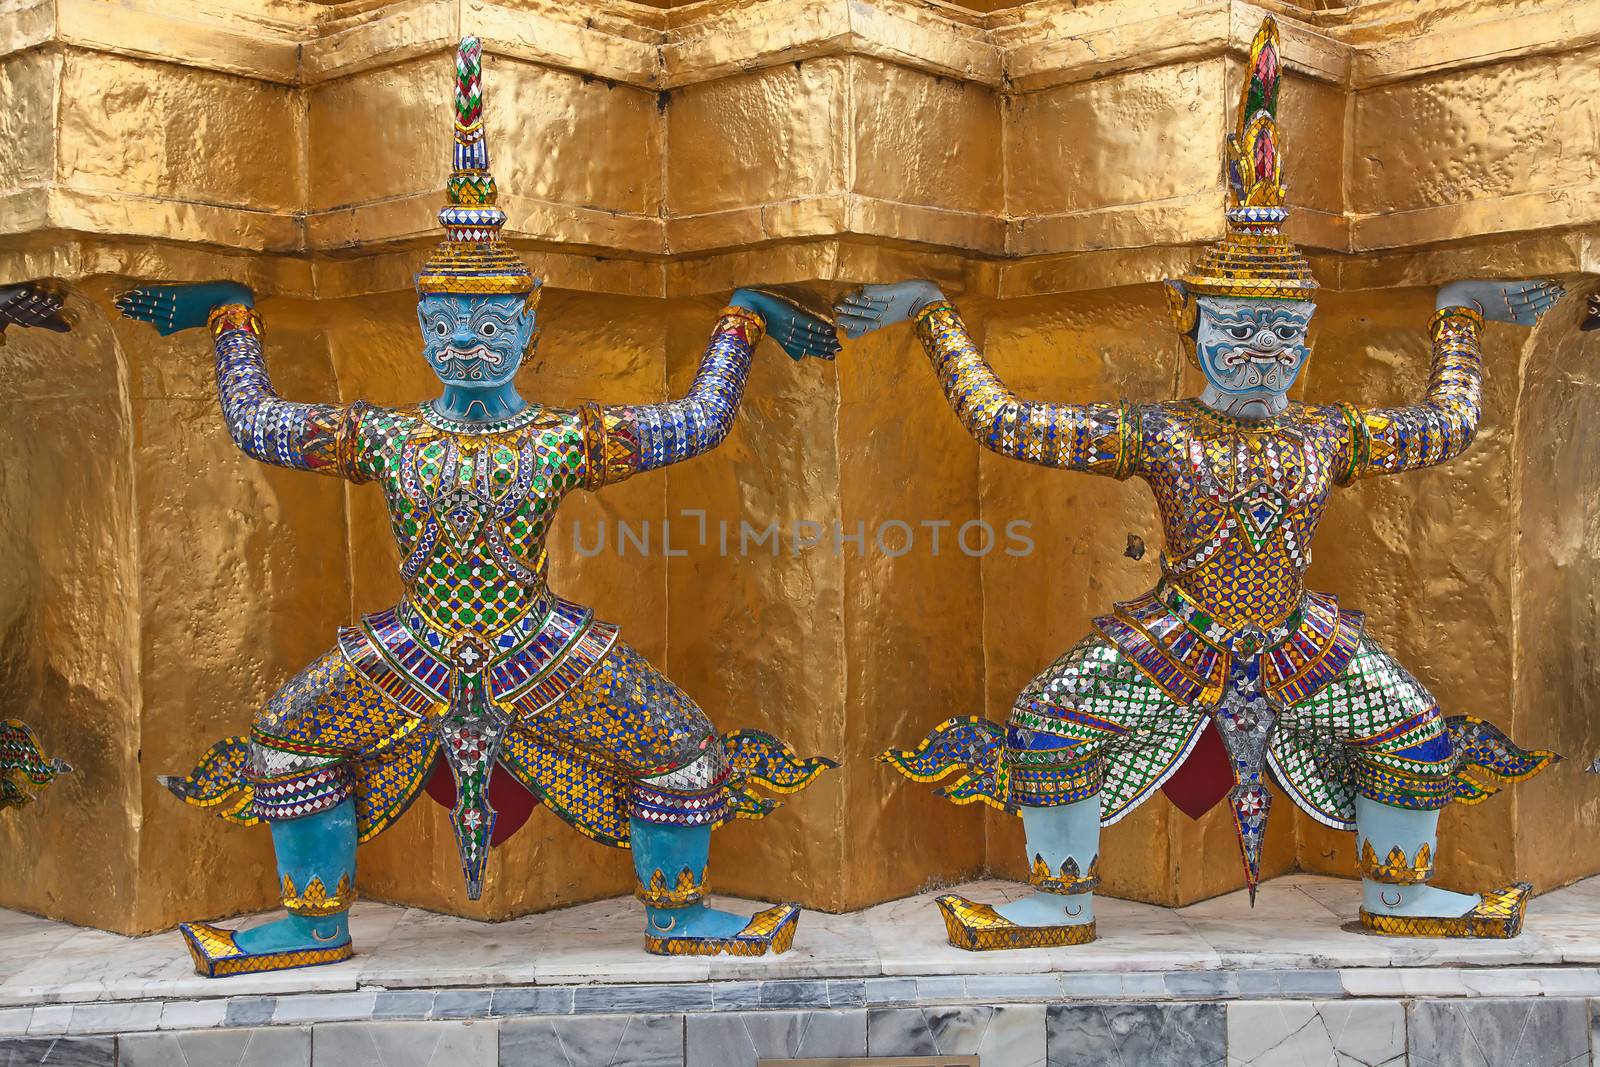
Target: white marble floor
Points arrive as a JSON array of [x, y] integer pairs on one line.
[[1299, 922]]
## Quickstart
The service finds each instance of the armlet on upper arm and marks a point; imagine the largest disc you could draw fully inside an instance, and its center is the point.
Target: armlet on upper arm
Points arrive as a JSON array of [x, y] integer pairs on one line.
[[350, 446], [1360, 444], [610, 446]]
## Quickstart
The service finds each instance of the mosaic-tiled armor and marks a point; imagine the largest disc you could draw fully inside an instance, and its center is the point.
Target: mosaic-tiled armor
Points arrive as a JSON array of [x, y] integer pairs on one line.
[[1230, 670], [482, 673]]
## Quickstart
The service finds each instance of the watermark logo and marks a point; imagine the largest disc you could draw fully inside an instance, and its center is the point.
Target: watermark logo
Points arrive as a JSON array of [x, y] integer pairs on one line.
[[693, 528]]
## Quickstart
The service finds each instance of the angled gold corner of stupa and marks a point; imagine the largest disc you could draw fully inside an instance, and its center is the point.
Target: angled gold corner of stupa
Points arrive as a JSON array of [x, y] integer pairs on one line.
[[1048, 161]]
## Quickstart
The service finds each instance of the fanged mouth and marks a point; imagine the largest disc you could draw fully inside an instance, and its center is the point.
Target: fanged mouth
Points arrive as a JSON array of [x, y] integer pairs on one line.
[[1239, 357], [478, 352]]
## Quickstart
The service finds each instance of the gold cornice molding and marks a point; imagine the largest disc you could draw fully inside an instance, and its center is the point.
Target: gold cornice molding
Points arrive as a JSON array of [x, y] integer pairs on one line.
[[1019, 49], [614, 41], [1570, 254], [1053, 43], [251, 38], [654, 234], [1504, 36], [720, 38]]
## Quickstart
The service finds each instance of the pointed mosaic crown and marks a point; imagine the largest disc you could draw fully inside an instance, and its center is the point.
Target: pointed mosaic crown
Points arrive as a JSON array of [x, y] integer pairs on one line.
[[1255, 259], [472, 259]]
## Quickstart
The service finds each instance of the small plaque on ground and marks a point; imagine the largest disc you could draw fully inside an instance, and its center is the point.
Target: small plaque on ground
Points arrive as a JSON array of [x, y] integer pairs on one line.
[[878, 1061]]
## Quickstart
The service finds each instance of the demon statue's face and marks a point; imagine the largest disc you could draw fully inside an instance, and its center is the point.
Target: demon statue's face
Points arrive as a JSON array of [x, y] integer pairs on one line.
[[475, 342], [1250, 351]]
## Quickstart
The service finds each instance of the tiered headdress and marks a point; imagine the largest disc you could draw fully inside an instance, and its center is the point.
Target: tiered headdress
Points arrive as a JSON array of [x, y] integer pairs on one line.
[[1254, 259], [472, 259]]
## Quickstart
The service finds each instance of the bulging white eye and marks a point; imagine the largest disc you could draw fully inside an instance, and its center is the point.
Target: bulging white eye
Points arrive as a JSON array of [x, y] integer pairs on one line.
[[441, 329], [488, 329], [1241, 333], [1286, 332]]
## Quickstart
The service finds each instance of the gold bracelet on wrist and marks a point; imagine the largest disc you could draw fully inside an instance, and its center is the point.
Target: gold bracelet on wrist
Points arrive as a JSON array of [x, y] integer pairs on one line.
[[755, 325], [1456, 311], [226, 318], [931, 308]]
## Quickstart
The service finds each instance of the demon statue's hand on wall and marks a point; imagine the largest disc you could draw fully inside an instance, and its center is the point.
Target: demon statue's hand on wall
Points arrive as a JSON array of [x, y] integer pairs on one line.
[[31, 306], [482, 672], [1230, 642]]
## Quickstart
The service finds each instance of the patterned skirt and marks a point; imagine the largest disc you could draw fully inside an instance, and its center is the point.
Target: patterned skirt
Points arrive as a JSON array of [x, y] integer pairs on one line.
[[1094, 722], [330, 733]]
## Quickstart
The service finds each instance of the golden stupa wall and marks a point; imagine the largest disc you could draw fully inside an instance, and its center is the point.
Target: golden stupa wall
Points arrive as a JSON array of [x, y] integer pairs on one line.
[[1047, 162]]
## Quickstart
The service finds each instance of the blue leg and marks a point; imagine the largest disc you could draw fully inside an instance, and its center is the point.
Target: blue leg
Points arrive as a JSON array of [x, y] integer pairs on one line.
[[1063, 845], [670, 862], [1400, 888], [316, 869], [315, 850]]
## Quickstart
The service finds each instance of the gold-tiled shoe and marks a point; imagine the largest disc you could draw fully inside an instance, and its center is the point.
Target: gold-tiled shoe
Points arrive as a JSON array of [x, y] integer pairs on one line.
[[979, 928], [1499, 916], [217, 955], [772, 930]]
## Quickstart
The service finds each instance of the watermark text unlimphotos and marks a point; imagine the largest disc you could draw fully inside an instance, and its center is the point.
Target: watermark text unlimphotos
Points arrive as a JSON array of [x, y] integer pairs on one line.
[[694, 529]]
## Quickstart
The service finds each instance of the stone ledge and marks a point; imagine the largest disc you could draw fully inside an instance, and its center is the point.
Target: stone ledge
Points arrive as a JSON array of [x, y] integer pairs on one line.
[[1212, 983], [588, 959]]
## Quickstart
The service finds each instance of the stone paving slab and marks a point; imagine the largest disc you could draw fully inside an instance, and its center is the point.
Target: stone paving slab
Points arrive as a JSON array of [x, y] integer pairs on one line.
[[1491, 1032], [802, 996]]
